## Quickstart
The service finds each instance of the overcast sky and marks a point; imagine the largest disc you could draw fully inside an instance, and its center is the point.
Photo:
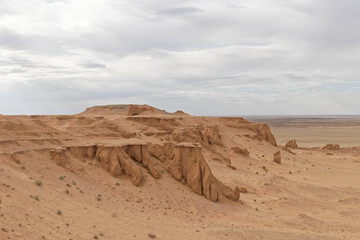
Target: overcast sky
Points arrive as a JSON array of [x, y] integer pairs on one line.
[[205, 57]]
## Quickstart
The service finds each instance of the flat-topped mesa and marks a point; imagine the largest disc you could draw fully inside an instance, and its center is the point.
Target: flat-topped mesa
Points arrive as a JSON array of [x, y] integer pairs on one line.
[[184, 161], [123, 109]]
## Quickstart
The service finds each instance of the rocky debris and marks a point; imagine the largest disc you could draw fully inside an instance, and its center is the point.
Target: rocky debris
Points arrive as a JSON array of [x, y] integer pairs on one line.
[[332, 147], [292, 144], [242, 151], [277, 157]]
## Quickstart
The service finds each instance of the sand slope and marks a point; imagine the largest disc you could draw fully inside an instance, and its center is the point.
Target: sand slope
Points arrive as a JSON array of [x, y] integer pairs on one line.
[[137, 172]]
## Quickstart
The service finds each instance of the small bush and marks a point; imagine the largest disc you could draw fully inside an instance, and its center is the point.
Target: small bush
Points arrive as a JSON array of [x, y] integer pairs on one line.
[[99, 197], [67, 191], [38, 183], [37, 198], [59, 212]]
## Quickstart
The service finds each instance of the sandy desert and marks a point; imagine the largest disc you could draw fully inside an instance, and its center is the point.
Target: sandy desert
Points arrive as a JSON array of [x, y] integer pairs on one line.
[[137, 172]]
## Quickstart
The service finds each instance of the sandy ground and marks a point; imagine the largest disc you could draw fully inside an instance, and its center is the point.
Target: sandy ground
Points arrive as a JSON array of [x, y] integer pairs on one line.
[[312, 194]]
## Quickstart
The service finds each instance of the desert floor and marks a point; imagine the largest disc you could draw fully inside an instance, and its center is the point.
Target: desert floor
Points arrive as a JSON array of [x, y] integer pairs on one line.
[[51, 188]]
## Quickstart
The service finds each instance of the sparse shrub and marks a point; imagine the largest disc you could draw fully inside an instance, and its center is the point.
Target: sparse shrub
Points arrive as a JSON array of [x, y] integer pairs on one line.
[[96, 237], [23, 167], [99, 197], [117, 184], [61, 178], [38, 183], [37, 198], [67, 191], [59, 212]]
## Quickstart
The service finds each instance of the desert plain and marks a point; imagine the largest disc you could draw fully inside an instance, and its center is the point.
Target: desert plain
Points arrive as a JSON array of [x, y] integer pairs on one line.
[[137, 172]]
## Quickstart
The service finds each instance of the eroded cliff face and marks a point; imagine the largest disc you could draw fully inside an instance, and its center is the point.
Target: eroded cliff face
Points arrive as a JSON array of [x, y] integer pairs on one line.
[[262, 130], [184, 161], [206, 135]]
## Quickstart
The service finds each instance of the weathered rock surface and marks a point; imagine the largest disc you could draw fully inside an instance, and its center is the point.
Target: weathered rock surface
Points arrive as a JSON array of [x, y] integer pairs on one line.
[[262, 130], [184, 161], [292, 144], [122, 109], [242, 151], [277, 157], [206, 135], [332, 147]]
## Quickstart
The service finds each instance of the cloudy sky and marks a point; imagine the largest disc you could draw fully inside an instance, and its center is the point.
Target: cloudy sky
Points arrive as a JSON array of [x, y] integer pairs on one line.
[[206, 57]]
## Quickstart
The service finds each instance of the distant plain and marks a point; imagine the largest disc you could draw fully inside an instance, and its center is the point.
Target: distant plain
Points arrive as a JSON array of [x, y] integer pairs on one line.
[[314, 131]]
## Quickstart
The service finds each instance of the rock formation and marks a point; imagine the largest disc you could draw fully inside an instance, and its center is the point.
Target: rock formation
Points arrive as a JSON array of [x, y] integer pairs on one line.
[[262, 130], [331, 146], [277, 157], [292, 144], [184, 161], [242, 151]]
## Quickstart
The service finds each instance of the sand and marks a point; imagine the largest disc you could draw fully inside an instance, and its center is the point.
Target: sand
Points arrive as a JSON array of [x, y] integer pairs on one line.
[[53, 185]]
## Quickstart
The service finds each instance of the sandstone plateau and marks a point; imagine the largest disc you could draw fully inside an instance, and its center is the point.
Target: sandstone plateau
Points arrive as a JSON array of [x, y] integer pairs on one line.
[[138, 172]]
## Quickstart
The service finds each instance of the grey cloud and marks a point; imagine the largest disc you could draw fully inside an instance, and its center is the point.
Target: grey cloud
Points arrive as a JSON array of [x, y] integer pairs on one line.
[[180, 11], [92, 65]]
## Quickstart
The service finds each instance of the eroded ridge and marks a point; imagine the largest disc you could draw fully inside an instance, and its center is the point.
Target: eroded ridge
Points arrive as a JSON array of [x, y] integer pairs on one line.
[[184, 161]]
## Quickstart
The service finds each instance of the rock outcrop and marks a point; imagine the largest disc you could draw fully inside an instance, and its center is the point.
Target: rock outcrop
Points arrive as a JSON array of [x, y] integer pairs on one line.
[[242, 151], [292, 144], [262, 130], [277, 157], [332, 147], [206, 135], [184, 161]]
